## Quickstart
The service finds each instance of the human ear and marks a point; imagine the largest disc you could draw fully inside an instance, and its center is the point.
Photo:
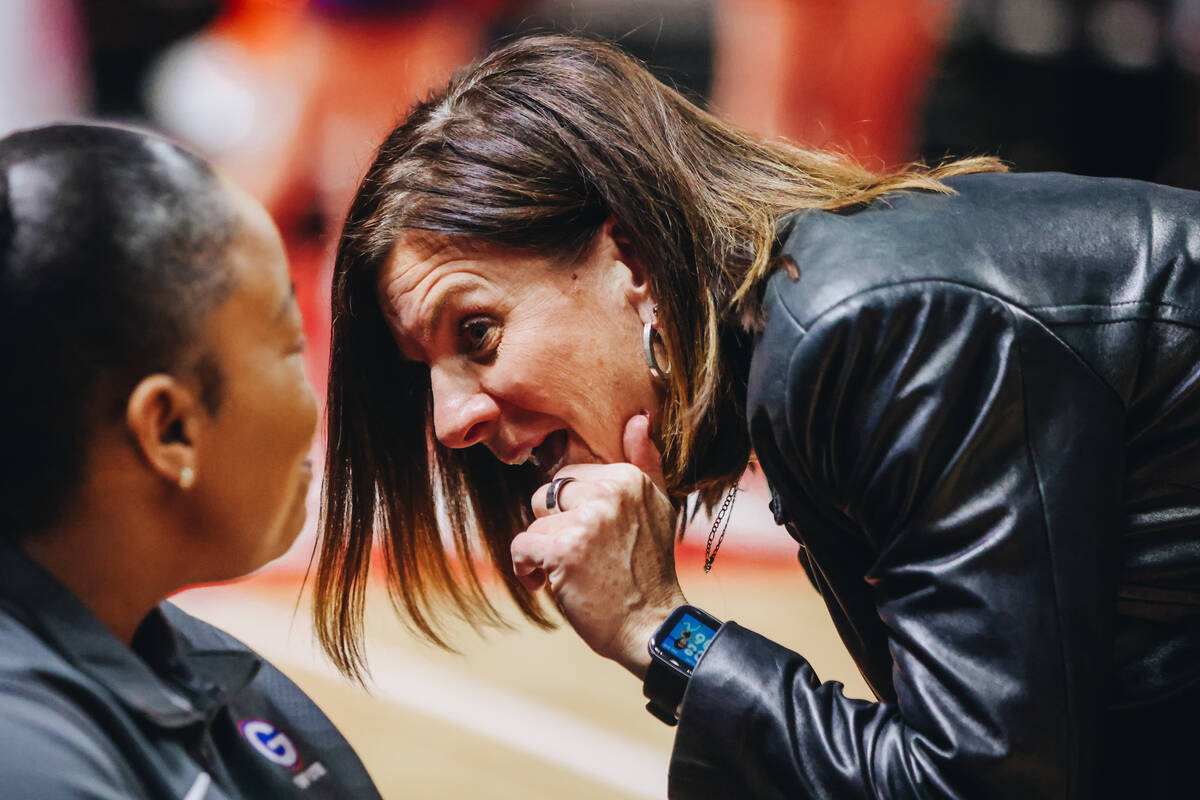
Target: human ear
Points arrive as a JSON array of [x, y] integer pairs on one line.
[[164, 418], [633, 275]]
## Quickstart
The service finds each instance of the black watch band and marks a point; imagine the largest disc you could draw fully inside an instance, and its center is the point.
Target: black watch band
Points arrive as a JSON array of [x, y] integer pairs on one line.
[[675, 650], [664, 687]]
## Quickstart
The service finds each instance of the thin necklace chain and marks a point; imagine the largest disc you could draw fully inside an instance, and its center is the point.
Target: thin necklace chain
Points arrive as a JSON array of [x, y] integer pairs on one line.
[[710, 552]]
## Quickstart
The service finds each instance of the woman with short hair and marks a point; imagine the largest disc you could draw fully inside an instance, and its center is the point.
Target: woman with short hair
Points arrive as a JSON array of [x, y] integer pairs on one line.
[[565, 298], [155, 421]]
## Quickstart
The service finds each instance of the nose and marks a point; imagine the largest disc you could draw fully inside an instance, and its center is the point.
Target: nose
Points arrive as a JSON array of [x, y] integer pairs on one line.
[[463, 414]]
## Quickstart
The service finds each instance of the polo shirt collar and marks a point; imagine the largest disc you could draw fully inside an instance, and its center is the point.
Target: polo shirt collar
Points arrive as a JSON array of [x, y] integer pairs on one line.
[[202, 680]]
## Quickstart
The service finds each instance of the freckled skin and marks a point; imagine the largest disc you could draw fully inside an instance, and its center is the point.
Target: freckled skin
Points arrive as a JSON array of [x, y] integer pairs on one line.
[[609, 556]]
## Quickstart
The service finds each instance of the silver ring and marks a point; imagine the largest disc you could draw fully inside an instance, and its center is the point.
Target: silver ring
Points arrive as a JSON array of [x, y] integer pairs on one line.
[[552, 501]]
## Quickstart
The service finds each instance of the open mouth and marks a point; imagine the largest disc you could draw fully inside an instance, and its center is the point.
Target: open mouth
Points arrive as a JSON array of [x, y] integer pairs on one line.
[[550, 456]]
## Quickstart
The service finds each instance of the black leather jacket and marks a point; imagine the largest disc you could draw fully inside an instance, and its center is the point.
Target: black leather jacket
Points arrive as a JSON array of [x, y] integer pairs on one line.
[[980, 416]]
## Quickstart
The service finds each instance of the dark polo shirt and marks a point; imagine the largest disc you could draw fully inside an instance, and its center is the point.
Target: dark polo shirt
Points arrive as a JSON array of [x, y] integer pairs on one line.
[[187, 713]]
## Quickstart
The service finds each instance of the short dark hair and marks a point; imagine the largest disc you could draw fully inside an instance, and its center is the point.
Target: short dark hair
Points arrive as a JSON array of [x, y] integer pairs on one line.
[[112, 254]]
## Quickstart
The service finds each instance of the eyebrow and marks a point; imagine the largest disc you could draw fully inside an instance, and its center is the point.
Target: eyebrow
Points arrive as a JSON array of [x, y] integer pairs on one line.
[[456, 289], [435, 317]]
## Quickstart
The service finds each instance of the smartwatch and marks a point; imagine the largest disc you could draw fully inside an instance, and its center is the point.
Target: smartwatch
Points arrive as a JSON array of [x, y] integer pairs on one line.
[[675, 650]]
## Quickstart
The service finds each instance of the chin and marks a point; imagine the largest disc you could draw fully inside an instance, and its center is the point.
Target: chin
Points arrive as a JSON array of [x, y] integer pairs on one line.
[[277, 544], [290, 532]]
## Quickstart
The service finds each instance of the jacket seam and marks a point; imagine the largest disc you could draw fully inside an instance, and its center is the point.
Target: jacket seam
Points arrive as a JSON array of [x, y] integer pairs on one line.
[[989, 293], [1031, 449], [877, 287], [1122, 304], [1096, 323], [791, 314], [842, 301], [1004, 302]]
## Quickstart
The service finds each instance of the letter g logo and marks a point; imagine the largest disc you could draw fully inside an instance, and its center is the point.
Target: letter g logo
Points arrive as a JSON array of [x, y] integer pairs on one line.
[[271, 743]]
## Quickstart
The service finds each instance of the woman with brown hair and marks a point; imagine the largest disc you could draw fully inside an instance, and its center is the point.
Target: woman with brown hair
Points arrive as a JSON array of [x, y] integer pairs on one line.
[[566, 298]]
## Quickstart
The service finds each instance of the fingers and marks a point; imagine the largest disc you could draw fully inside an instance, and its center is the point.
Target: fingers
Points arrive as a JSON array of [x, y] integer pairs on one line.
[[592, 482], [541, 494], [570, 494], [528, 552], [640, 450]]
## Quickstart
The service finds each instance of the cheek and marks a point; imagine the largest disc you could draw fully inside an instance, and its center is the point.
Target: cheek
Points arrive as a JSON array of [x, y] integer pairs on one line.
[[526, 365], [281, 416], [264, 436], [586, 369], [306, 410], [609, 356]]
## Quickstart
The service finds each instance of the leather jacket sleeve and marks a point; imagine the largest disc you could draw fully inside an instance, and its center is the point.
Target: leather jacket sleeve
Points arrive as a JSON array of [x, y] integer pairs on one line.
[[977, 460]]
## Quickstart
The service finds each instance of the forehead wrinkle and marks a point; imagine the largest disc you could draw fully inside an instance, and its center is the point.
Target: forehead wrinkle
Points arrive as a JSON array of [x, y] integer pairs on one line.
[[461, 279]]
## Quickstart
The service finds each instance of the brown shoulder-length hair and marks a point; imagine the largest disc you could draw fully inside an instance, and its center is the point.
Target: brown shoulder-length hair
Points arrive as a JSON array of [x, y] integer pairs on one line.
[[534, 147]]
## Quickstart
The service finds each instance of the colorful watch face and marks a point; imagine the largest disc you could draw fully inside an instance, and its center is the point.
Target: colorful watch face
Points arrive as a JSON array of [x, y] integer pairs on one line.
[[688, 638]]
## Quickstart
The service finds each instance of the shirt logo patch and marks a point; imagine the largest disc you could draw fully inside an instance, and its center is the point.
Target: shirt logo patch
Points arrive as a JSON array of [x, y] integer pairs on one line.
[[270, 742]]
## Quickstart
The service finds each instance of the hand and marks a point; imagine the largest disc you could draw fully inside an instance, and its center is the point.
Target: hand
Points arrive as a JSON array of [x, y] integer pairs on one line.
[[608, 551]]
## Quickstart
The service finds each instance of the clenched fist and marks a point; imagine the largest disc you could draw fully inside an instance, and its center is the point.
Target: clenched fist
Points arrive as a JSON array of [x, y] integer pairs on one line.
[[607, 551]]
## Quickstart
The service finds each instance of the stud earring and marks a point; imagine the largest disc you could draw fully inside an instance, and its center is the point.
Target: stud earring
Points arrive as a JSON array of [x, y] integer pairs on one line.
[[187, 478]]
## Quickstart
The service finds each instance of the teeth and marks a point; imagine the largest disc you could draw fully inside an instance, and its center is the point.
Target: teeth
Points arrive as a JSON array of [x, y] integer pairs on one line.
[[549, 448]]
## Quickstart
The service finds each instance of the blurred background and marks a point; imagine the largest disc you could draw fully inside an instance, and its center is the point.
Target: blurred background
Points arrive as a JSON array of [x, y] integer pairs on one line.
[[290, 98]]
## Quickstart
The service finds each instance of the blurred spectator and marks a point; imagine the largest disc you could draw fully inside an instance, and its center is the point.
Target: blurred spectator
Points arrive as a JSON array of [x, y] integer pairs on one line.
[[125, 38], [42, 59], [673, 37], [292, 97], [1100, 87], [849, 74]]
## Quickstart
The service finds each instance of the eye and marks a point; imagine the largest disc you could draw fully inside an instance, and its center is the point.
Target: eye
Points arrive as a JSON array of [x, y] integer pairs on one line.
[[479, 335]]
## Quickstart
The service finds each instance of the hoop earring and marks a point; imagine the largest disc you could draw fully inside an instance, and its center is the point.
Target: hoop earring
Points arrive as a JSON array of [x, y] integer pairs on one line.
[[656, 369]]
